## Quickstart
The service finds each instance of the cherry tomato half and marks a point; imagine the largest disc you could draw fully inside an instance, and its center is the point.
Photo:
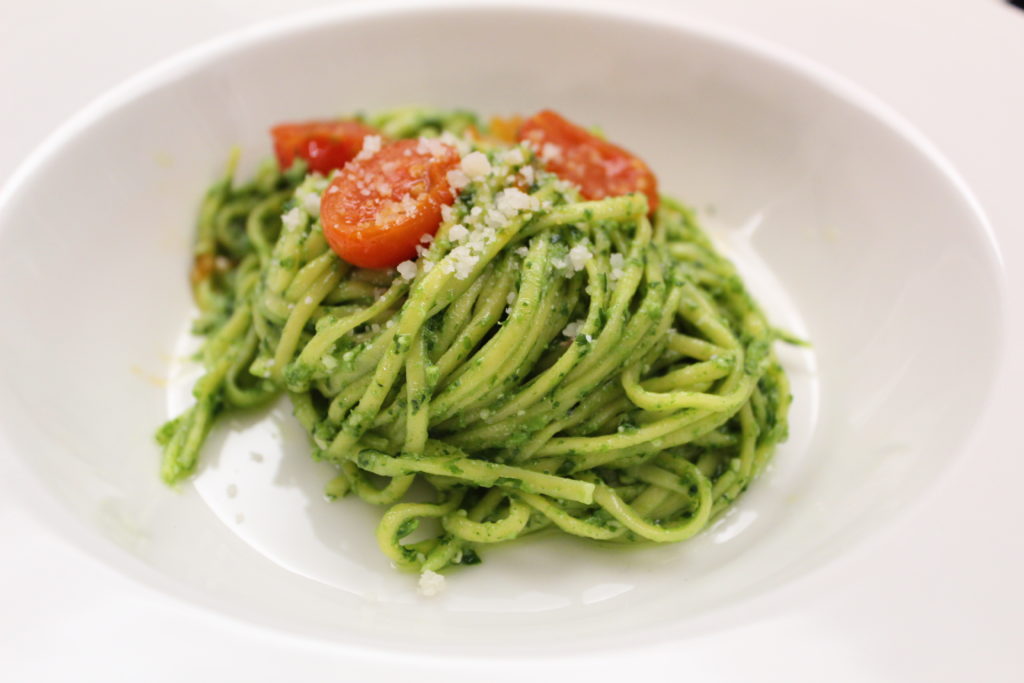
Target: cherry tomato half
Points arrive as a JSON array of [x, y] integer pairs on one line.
[[600, 168], [325, 145], [377, 209]]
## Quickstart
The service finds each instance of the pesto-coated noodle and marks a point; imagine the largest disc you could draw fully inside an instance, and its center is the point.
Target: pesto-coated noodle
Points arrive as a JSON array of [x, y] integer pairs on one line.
[[546, 362]]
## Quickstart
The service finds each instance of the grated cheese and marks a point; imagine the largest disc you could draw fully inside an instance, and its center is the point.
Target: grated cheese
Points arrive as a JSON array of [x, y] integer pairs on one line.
[[475, 165], [407, 269], [457, 179], [573, 329], [310, 200], [513, 156], [371, 145], [527, 173], [433, 147], [550, 152], [512, 200], [431, 584], [292, 219], [461, 260], [409, 206], [617, 262], [578, 257], [461, 144]]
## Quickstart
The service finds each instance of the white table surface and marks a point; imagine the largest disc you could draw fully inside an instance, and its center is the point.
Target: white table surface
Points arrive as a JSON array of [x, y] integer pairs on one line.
[[937, 597]]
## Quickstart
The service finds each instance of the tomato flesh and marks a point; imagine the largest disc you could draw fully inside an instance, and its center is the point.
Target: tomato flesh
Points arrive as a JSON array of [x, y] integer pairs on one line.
[[325, 145], [376, 210], [600, 168]]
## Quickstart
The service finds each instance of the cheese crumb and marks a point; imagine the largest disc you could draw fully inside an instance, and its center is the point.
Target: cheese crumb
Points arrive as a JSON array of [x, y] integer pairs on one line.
[[409, 206], [426, 238], [458, 233], [513, 156], [310, 201], [457, 179], [461, 261], [550, 151], [572, 329], [371, 145], [433, 147], [527, 173], [496, 220], [431, 584], [512, 200], [460, 144], [407, 269], [447, 215], [578, 257], [292, 219], [475, 165], [617, 262]]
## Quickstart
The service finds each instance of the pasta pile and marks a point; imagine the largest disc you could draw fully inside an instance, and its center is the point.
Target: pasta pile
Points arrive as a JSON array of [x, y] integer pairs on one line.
[[547, 362]]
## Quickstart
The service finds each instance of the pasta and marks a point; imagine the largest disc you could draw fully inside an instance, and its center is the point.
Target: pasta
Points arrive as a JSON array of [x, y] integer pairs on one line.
[[547, 361]]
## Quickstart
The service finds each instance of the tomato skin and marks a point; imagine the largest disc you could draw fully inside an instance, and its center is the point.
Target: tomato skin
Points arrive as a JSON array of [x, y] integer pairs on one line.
[[325, 145], [376, 210], [600, 168]]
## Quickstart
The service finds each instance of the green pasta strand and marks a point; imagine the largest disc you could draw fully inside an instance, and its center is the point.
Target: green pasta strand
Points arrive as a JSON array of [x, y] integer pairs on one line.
[[547, 362]]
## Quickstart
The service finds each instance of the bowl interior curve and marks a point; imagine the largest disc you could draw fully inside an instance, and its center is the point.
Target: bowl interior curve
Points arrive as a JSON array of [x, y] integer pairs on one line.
[[850, 234]]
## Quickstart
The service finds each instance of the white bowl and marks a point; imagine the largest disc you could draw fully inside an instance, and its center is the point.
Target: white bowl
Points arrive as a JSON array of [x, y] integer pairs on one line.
[[848, 226]]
